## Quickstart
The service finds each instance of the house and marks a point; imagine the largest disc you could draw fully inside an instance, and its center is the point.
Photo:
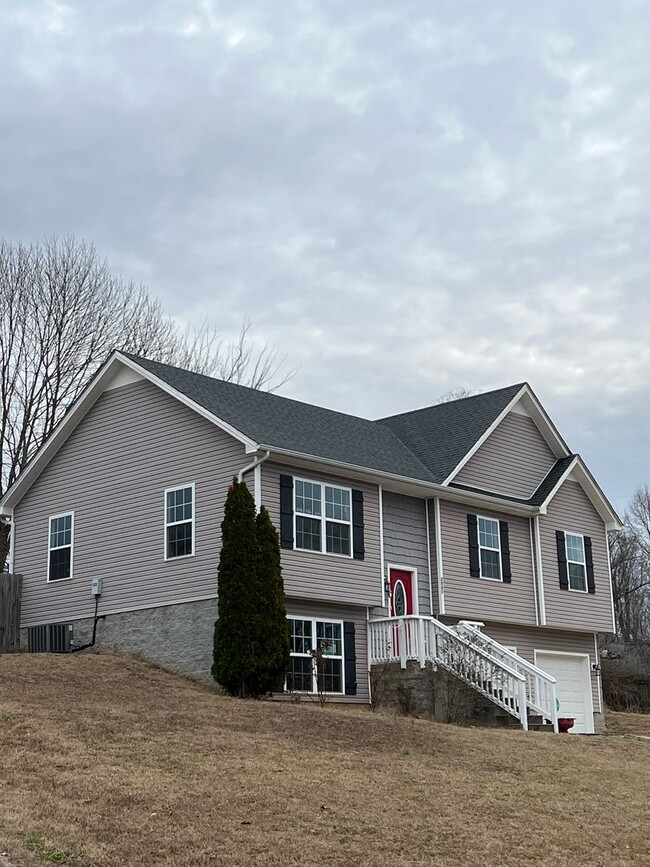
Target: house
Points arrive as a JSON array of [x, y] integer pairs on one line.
[[462, 528]]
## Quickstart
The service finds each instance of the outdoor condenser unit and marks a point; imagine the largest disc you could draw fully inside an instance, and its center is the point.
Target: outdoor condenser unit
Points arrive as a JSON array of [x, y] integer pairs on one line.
[[49, 638]]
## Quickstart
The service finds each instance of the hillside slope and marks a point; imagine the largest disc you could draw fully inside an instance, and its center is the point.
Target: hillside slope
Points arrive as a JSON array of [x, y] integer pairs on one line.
[[119, 763]]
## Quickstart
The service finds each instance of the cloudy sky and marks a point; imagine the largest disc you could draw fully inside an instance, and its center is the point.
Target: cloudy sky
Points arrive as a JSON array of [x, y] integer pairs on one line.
[[404, 197]]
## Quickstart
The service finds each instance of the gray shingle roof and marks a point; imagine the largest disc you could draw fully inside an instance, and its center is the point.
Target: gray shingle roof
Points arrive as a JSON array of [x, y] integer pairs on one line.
[[280, 422], [426, 444], [545, 486], [441, 435]]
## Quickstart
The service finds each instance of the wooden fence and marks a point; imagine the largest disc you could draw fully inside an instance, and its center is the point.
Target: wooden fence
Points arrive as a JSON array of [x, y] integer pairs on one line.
[[10, 593]]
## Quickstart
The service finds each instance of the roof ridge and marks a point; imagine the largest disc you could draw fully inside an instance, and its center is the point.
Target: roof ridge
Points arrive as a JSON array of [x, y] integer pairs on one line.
[[517, 385], [249, 388]]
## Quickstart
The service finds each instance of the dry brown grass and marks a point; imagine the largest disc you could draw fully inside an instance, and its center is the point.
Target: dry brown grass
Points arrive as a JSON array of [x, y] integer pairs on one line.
[[619, 723], [119, 763]]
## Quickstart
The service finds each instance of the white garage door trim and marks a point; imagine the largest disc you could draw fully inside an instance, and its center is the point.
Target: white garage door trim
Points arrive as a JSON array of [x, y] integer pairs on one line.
[[586, 681]]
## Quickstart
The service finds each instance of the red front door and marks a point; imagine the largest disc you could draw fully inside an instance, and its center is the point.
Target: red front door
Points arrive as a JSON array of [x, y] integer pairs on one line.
[[401, 593]]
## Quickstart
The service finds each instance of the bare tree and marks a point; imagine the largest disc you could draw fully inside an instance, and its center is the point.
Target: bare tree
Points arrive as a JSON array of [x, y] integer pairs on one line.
[[62, 313], [630, 558], [457, 393]]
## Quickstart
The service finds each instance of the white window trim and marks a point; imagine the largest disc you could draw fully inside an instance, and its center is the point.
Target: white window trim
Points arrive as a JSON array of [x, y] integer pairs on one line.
[[485, 548], [575, 562], [323, 519], [191, 485], [314, 682], [59, 547]]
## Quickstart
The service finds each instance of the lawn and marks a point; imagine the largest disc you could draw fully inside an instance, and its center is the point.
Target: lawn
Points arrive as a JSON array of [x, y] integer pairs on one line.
[[106, 760]]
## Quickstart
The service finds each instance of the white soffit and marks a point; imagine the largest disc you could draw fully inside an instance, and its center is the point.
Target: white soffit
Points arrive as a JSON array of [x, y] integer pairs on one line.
[[122, 375]]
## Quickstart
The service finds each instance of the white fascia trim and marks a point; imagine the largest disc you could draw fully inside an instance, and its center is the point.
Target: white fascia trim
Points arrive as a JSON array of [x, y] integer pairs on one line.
[[593, 491], [81, 407], [250, 444], [479, 442], [551, 430], [425, 489]]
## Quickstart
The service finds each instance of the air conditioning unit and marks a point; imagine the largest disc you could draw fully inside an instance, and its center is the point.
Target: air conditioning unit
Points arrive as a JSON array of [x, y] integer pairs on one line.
[[49, 638]]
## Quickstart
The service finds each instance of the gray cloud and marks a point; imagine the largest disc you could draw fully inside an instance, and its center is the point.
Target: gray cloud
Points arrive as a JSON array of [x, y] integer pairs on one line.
[[404, 197]]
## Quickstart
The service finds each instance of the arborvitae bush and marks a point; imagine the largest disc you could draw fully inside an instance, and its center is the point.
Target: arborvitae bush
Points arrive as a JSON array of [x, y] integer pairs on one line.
[[251, 636], [273, 633], [235, 666]]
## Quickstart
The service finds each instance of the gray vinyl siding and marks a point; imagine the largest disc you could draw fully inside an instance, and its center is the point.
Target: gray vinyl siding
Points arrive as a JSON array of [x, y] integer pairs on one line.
[[513, 460], [323, 611], [529, 639], [481, 598], [571, 510], [325, 577], [405, 540], [112, 472]]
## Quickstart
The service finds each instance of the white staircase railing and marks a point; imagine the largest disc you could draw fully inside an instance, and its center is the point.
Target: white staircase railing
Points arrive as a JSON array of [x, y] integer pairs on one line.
[[393, 639], [541, 692]]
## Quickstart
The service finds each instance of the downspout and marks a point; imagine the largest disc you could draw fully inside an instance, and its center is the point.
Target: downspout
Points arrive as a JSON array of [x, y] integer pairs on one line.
[[255, 465]]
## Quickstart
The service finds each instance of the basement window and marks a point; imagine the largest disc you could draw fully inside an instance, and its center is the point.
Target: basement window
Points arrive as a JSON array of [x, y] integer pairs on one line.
[[307, 636], [59, 557]]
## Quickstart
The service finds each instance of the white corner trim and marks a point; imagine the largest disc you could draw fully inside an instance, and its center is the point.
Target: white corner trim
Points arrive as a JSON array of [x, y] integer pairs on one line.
[[426, 518], [540, 572], [611, 585], [439, 558], [381, 546], [533, 560], [479, 442], [597, 675]]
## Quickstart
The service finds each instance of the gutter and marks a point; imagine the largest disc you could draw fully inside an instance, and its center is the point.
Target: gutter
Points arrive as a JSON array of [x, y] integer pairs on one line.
[[427, 489]]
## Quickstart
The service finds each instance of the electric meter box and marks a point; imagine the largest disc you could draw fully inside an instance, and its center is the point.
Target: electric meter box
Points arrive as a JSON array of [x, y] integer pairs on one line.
[[97, 587]]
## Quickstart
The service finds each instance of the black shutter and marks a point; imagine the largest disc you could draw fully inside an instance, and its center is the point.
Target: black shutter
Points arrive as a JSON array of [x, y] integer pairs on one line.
[[561, 560], [472, 538], [358, 549], [589, 557], [286, 511], [506, 571], [350, 657]]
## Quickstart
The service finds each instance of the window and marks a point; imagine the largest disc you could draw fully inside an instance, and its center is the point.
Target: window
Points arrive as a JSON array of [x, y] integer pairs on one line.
[[323, 517], [59, 558], [489, 548], [179, 522], [307, 636], [576, 561]]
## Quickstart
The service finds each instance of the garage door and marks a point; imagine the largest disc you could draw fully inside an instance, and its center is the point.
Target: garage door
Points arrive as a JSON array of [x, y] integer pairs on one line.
[[573, 687]]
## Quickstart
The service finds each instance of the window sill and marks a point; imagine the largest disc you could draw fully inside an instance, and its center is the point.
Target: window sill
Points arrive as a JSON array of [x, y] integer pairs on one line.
[[180, 557], [59, 580], [324, 553]]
